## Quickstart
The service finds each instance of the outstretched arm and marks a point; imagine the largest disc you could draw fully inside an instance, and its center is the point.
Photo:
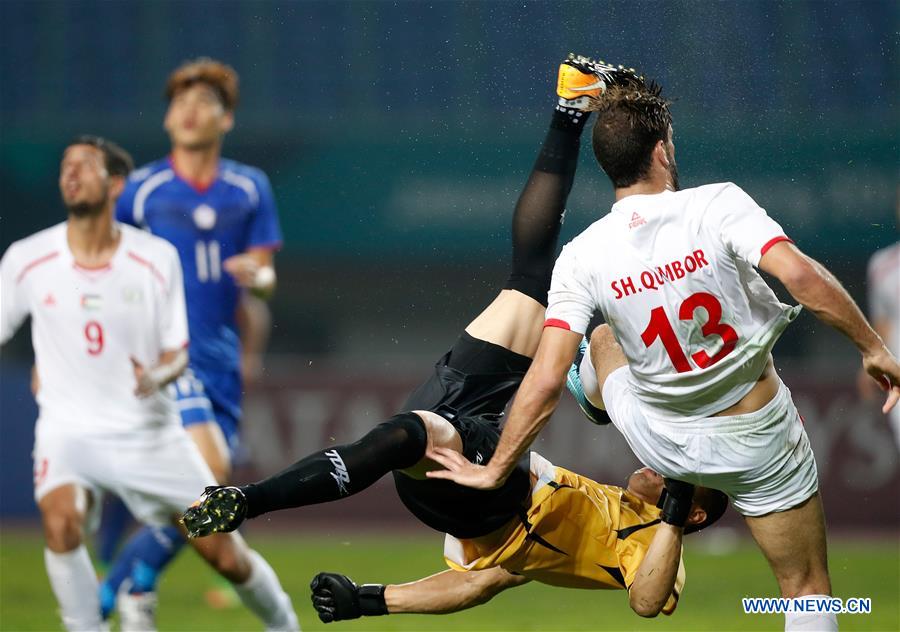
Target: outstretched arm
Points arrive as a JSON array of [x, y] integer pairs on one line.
[[818, 290], [534, 404], [449, 591], [337, 598]]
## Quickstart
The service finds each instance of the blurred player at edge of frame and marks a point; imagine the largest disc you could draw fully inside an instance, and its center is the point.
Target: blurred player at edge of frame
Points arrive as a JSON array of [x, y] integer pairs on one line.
[[221, 217], [109, 330], [545, 522], [692, 387], [883, 289]]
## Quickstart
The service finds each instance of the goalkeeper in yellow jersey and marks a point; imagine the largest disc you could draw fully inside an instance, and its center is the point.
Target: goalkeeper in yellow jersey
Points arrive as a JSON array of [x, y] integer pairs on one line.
[[574, 533], [544, 522]]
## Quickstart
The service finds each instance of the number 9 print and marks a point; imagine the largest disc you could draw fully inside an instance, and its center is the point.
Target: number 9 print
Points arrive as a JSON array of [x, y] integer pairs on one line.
[[93, 331]]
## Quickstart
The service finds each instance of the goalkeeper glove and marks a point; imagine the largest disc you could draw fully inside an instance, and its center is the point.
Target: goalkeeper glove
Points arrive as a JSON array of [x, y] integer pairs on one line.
[[675, 501], [337, 598], [219, 509]]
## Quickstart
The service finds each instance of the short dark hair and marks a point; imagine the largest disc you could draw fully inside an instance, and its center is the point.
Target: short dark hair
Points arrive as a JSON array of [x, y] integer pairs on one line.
[[222, 78], [117, 161], [631, 119], [713, 502]]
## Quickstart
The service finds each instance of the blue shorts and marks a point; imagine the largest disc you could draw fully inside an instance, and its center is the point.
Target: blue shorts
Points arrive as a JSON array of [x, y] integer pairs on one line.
[[196, 407]]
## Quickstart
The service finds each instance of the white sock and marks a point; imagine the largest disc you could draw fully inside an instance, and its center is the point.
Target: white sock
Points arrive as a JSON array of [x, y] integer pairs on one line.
[[75, 586], [264, 596], [588, 376], [810, 621]]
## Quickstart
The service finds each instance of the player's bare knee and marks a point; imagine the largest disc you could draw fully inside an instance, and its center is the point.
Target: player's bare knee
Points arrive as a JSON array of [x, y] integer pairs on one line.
[[63, 530], [604, 346], [62, 514], [606, 354], [440, 432]]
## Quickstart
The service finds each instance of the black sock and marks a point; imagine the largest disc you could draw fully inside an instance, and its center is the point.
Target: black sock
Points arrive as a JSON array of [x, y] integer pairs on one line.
[[343, 470], [540, 208]]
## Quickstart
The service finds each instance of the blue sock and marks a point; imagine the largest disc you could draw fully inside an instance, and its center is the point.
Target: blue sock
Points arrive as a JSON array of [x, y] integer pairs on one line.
[[115, 520], [142, 559]]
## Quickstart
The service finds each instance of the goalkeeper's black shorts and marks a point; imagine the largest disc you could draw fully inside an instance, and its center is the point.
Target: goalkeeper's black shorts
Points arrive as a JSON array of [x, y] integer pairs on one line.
[[470, 387]]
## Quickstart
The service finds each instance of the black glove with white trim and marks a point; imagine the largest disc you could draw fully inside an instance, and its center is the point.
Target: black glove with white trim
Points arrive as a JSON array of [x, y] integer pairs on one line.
[[337, 598]]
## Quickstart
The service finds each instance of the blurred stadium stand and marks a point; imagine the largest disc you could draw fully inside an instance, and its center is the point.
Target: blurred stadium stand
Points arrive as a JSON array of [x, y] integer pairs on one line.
[[397, 136]]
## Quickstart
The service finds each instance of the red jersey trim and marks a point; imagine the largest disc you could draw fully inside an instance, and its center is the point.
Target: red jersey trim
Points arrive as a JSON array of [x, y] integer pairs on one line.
[[556, 322], [100, 268], [774, 241], [194, 184], [31, 266], [159, 277]]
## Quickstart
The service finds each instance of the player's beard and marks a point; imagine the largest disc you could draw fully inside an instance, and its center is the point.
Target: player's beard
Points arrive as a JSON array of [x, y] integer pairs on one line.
[[87, 208]]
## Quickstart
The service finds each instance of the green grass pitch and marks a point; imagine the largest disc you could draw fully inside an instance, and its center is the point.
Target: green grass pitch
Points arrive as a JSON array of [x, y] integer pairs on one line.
[[711, 601]]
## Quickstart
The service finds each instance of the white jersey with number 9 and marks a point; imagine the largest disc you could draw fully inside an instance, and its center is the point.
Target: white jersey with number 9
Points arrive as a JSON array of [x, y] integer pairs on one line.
[[673, 275], [87, 324]]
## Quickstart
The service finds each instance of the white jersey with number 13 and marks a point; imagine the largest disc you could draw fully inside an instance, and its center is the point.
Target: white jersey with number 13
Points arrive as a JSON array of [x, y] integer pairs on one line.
[[673, 275]]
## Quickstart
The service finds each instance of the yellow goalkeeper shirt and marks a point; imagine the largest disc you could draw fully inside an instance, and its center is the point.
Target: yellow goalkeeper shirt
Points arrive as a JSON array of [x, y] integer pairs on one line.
[[575, 533]]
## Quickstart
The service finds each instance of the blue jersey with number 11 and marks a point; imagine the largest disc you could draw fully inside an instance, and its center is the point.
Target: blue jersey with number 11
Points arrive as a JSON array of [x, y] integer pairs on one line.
[[236, 212]]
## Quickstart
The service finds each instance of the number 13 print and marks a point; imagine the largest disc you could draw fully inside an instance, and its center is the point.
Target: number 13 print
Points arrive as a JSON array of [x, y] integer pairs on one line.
[[660, 327]]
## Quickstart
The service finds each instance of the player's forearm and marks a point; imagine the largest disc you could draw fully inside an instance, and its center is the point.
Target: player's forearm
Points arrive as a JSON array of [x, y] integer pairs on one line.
[[254, 321], [882, 327], [534, 405], [536, 399], [656, 575], [449, 591], [814, 287], [171, 364]]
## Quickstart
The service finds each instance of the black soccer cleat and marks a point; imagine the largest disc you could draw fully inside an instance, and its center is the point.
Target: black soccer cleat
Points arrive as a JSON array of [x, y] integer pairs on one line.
[[219, 510]]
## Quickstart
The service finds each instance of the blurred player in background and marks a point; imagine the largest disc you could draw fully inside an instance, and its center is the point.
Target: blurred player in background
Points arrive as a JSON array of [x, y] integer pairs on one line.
[[221, 217], [883, 287], [109, 329], [692, 388], [545, 522]]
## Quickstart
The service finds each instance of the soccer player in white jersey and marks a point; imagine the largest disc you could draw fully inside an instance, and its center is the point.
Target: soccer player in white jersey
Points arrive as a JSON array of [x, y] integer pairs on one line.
[[109, 330], [883, 286], [695, 392]]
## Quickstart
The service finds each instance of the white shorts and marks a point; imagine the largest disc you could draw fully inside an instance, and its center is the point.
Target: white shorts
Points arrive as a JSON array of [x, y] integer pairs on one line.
[[157, 474], [762, 460]]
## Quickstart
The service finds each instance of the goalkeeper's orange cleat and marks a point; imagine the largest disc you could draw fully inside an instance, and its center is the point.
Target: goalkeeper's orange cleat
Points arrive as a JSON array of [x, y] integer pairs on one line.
[[582, 79]]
